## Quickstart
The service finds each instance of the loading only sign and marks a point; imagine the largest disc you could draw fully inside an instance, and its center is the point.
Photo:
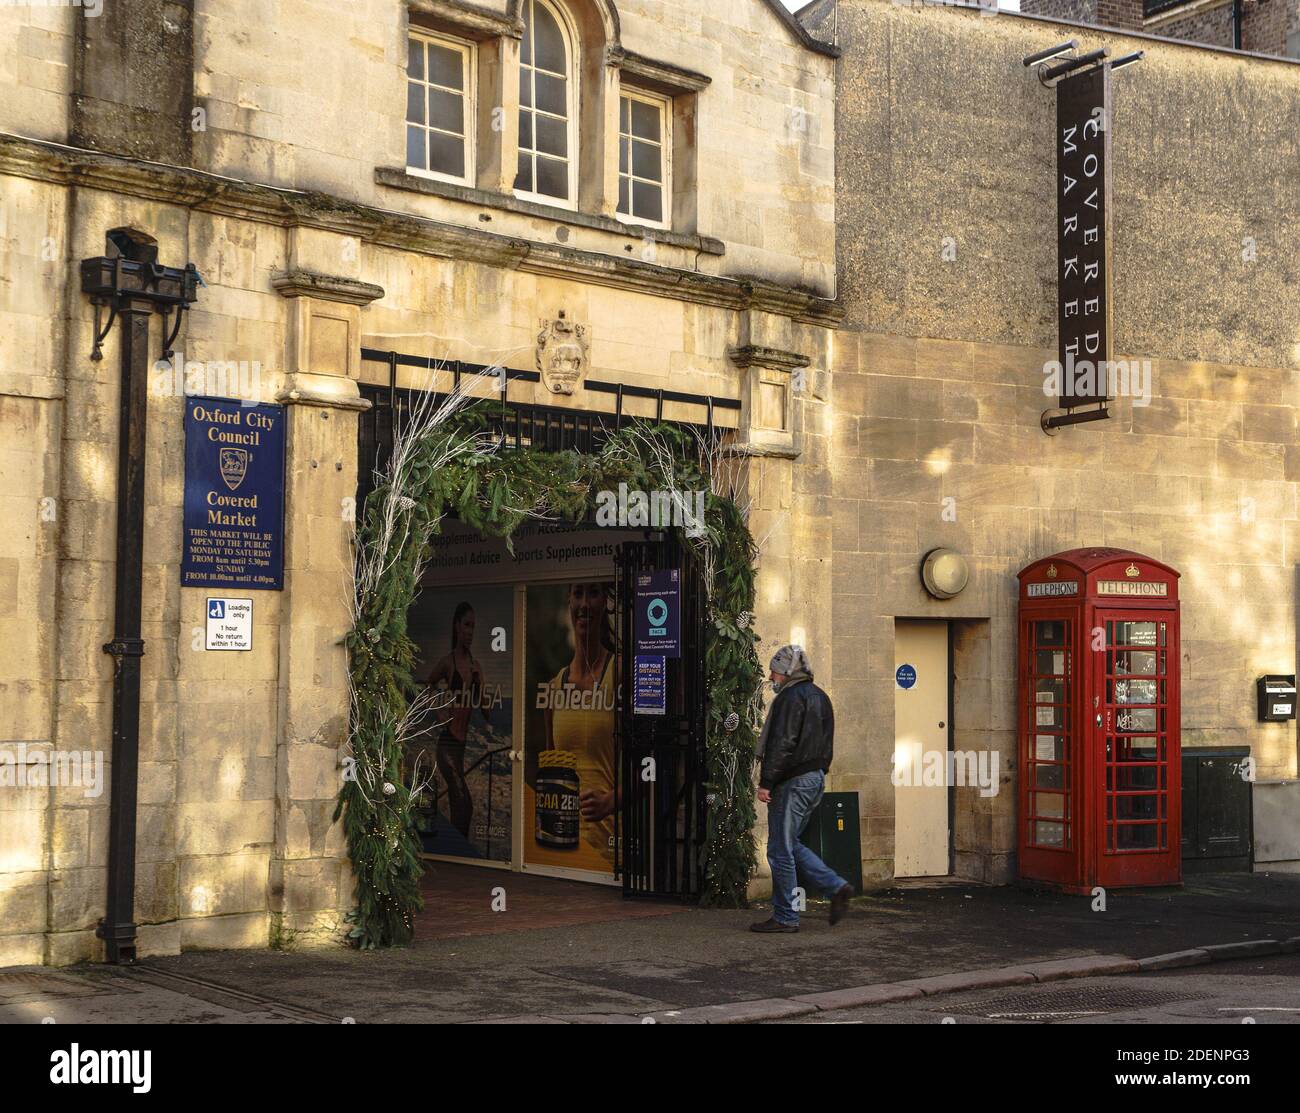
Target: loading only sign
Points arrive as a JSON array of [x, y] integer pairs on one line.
[[230, 624]]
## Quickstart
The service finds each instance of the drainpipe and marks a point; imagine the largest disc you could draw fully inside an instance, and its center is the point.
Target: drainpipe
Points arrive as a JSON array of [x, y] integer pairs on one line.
[[129, 282]]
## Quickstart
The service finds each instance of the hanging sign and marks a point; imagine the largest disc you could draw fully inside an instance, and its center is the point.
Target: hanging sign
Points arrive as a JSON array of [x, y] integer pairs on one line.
[[649, 686], [234, 495], [1083, 180], [658, 603]]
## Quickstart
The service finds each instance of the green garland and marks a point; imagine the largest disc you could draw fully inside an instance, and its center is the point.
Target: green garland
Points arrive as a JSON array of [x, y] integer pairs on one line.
[[446, 469]]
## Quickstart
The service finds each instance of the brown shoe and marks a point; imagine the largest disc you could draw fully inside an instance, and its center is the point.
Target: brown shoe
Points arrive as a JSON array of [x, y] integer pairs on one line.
[[840, 904], [768, 927]]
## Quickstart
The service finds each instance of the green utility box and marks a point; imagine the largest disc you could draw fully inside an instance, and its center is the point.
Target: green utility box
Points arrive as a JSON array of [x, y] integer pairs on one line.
[[832, 834]]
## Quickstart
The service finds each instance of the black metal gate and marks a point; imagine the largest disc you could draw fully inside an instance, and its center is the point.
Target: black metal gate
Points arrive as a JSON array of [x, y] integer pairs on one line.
[[660, 834]]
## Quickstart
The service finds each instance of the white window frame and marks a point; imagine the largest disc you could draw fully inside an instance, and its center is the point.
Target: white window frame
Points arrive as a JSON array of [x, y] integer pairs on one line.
[[468, 50], [573, 101], [665, 107]]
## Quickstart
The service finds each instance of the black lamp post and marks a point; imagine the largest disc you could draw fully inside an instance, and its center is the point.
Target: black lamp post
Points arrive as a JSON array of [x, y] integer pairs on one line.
[[129, 281]]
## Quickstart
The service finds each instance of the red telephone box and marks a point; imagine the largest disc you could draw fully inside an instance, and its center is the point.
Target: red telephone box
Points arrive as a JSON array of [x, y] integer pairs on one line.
[[1100, 766]]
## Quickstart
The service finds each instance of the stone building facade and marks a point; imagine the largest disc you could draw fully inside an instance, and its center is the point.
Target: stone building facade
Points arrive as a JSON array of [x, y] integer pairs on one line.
[[859, 253], [946, 212], [273, 144]]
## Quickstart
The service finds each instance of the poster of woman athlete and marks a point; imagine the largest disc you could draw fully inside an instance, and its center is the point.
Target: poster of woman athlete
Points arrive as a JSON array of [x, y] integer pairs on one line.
[[466, 660], [572, 668]]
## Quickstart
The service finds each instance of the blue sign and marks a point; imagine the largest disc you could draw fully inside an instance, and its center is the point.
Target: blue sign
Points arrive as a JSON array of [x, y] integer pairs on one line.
[[658, 603], [649, 686], [905, 677], [234, 495]]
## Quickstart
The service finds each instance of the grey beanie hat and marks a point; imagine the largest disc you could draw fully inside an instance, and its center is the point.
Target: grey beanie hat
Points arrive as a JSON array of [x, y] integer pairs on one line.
[[790, 659]]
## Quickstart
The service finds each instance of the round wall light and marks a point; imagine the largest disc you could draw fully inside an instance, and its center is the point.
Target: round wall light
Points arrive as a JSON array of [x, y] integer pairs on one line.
[[944, 573]]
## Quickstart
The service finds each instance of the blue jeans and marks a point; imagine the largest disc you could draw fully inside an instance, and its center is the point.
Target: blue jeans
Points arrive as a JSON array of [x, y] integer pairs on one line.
[[793, 803]]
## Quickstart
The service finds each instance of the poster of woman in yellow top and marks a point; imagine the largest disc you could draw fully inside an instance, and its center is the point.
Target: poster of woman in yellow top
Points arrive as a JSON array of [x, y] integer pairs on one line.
[[573, 669]]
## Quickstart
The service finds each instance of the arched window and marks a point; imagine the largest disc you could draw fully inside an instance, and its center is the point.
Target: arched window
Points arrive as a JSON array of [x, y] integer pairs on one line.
[[547, 106]]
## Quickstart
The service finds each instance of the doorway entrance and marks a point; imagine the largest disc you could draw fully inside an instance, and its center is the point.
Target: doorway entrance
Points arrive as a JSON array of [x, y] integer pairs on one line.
[[922, 741], [558, 736]]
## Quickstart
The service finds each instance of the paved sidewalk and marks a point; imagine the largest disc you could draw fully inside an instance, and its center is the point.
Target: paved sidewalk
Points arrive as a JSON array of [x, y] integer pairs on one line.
[[631, 968]]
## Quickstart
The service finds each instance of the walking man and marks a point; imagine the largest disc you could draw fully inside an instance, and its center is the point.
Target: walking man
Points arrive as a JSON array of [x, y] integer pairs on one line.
[[795, 750]]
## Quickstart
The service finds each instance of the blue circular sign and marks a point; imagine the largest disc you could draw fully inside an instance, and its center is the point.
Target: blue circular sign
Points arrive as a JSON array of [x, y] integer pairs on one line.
[[905, 677]]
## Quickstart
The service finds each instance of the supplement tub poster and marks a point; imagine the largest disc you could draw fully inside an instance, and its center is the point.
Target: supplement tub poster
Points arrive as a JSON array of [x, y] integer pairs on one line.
[[572, 670]]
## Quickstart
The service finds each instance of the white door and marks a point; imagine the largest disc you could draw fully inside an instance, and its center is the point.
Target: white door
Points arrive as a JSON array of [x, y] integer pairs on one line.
[[920, 748]]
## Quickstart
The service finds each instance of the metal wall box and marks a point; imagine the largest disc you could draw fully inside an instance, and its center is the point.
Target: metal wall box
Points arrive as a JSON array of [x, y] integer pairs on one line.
[[1275, 698], [833, 835], [1217, 805]]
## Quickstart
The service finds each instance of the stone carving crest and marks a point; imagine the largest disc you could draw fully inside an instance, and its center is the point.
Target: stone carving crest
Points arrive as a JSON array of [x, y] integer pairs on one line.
[[562, 354]]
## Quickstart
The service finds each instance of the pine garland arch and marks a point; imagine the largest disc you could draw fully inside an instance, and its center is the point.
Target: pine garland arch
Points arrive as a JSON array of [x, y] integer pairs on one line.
[[450, 463]]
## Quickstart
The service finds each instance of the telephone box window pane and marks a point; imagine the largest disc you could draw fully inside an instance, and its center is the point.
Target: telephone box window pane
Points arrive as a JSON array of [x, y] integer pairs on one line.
[[1137, 748], [1049, 747], [1135, 662], [1136, 836], [1136, 719], [1049, 662], [1049, 716], [1134, 778], [1050, 804], [1135, 633], [1136, 691], [1049, 776], [1136, 807], [1047, 690], [1051, 835], [1049, 633]]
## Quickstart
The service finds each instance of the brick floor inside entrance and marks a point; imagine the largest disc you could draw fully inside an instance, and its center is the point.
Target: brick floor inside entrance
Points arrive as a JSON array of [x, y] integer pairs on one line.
[[458, 902]]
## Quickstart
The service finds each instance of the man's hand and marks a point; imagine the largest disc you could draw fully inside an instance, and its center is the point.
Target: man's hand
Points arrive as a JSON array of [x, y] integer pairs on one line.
[[764, 797]]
